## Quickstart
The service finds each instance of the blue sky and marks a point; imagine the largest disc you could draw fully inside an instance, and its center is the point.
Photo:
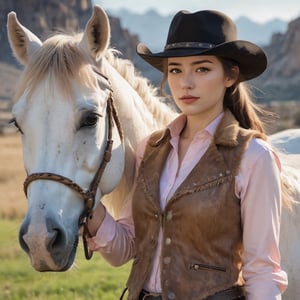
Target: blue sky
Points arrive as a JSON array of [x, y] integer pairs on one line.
[[257, 10]]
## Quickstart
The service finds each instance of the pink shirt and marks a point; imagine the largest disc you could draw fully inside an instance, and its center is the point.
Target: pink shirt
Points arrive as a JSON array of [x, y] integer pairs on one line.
[[260, 210]]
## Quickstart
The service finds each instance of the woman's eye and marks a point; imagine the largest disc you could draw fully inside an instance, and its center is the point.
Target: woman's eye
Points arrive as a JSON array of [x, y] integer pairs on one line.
[[15, 123], [90, 120], [202, 70], [174, 71]]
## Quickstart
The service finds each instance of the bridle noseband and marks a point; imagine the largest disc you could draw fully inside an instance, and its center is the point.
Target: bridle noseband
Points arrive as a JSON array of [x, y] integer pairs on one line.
[[89, 195]]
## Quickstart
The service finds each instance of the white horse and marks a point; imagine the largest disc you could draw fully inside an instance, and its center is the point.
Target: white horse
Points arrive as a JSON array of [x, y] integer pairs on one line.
[[67, 119], [288, 142], [65, 114]]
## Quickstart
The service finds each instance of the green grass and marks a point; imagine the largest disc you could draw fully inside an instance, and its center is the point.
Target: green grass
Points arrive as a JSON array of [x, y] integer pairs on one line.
[[93, 279]]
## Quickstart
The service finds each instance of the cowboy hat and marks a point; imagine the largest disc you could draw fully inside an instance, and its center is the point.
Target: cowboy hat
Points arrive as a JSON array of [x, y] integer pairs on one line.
[[207, 32]]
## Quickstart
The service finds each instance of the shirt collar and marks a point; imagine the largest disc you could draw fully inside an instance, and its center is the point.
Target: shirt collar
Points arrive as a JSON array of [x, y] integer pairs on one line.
[[177, 125]]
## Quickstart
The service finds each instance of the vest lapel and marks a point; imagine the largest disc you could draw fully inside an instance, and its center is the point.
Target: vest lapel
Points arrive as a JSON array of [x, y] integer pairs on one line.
[[210, 171], [151, 167]]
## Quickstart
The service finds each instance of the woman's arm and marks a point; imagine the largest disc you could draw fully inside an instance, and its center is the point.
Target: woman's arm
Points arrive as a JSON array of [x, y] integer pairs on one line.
[[260, 193], [114, 239]]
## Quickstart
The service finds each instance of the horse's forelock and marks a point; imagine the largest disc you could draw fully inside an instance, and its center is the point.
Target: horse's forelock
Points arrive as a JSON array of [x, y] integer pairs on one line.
[[61, 61]]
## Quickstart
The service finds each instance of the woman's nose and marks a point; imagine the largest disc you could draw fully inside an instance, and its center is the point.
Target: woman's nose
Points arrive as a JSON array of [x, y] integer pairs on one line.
[[187, 81]]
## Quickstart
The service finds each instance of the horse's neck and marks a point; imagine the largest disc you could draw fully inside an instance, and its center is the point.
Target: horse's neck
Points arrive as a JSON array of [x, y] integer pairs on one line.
[[137, 120], [139, 115]]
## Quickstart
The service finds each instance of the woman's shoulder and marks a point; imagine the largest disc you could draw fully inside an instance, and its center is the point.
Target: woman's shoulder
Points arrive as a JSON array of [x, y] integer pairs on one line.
[[260, 151], [259, 146]]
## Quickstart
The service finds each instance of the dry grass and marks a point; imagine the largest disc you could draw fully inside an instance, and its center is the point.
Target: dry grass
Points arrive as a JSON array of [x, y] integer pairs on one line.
[[12, 199]]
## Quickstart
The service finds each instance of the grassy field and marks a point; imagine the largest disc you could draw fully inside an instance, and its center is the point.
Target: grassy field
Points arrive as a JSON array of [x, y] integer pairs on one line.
[[94, 279]]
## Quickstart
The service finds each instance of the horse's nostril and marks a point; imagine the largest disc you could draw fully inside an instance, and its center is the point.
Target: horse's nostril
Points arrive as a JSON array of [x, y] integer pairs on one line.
[[22, 232], [56, 239], [56, 235]]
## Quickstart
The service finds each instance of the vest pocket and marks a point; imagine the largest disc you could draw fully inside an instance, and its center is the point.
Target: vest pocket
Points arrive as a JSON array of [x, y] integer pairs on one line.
[[199, 267]]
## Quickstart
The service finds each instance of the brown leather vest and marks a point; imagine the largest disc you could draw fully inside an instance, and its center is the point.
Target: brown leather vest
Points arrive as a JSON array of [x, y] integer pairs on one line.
[[202, 233]]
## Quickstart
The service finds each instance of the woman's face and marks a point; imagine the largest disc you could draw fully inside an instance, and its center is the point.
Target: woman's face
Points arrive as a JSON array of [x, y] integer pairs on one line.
[[198, 84]]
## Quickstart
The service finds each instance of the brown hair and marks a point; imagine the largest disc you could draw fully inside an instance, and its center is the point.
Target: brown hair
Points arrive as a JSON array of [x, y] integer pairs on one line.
[[239, 100]]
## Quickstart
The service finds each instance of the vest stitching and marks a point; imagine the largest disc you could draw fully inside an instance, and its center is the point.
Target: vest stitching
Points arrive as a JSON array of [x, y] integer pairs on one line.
[[203, 187]]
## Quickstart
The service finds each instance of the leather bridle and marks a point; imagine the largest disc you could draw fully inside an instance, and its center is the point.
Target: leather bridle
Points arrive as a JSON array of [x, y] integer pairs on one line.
[[89, 195]]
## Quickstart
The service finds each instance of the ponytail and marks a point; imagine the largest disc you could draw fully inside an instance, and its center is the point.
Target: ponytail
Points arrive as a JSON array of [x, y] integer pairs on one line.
[[239, 100]]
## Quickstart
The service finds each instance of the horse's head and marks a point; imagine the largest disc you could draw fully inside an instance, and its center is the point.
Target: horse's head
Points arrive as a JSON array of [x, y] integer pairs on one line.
[[65, 116]]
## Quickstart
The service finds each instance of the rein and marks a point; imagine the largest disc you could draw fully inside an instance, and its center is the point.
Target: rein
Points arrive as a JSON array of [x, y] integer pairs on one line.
[[87, 195]]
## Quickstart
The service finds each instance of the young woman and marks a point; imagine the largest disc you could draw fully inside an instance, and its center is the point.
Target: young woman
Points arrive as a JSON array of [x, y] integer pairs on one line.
[[203, 218]]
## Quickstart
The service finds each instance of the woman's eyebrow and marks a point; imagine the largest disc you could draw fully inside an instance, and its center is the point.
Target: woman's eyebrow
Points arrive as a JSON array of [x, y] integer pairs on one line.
[[201, 62], [193, 63]]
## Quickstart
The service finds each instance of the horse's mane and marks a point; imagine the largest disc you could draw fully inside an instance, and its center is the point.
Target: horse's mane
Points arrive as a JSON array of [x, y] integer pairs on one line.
[[142, 86], [61, 60]]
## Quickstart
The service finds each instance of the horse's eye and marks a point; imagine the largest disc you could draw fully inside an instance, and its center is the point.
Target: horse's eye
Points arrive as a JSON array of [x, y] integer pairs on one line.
[[90, 120], [15, 123]]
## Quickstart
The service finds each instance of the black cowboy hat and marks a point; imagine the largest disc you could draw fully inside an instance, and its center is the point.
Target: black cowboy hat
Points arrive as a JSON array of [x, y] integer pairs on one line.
[[207, 32]]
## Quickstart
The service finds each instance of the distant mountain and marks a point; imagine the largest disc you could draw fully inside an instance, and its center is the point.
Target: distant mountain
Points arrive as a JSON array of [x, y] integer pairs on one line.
[[43, 17], [259, 33], [152, 28]]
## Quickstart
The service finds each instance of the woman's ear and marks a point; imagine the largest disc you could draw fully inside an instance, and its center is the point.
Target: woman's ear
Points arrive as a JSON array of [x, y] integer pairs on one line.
[[232, 78]]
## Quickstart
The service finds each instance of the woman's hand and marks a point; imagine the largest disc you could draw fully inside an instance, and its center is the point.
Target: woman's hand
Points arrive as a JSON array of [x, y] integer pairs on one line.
[[96, 219]]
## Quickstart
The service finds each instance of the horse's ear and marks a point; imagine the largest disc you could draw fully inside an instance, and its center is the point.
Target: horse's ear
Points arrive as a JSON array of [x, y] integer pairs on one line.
[[22, 41], [96, 37]]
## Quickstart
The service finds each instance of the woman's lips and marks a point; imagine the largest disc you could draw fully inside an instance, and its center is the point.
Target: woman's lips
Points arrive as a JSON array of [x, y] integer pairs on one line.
[[187, 99]]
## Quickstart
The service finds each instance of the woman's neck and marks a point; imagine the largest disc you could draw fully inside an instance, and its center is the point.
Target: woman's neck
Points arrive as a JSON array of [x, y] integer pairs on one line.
[[194, 124]]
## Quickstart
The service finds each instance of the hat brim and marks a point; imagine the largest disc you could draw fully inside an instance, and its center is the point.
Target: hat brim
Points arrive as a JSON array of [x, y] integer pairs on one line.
[[251, 59]]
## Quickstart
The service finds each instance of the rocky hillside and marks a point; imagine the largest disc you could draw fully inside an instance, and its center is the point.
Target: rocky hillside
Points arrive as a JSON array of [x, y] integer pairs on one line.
[[45, 16], [42, 16], [281, 81]]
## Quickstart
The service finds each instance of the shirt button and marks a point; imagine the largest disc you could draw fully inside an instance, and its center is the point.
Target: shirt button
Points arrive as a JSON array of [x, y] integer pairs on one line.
[[168, 241], [167, 260], [169, 215]]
